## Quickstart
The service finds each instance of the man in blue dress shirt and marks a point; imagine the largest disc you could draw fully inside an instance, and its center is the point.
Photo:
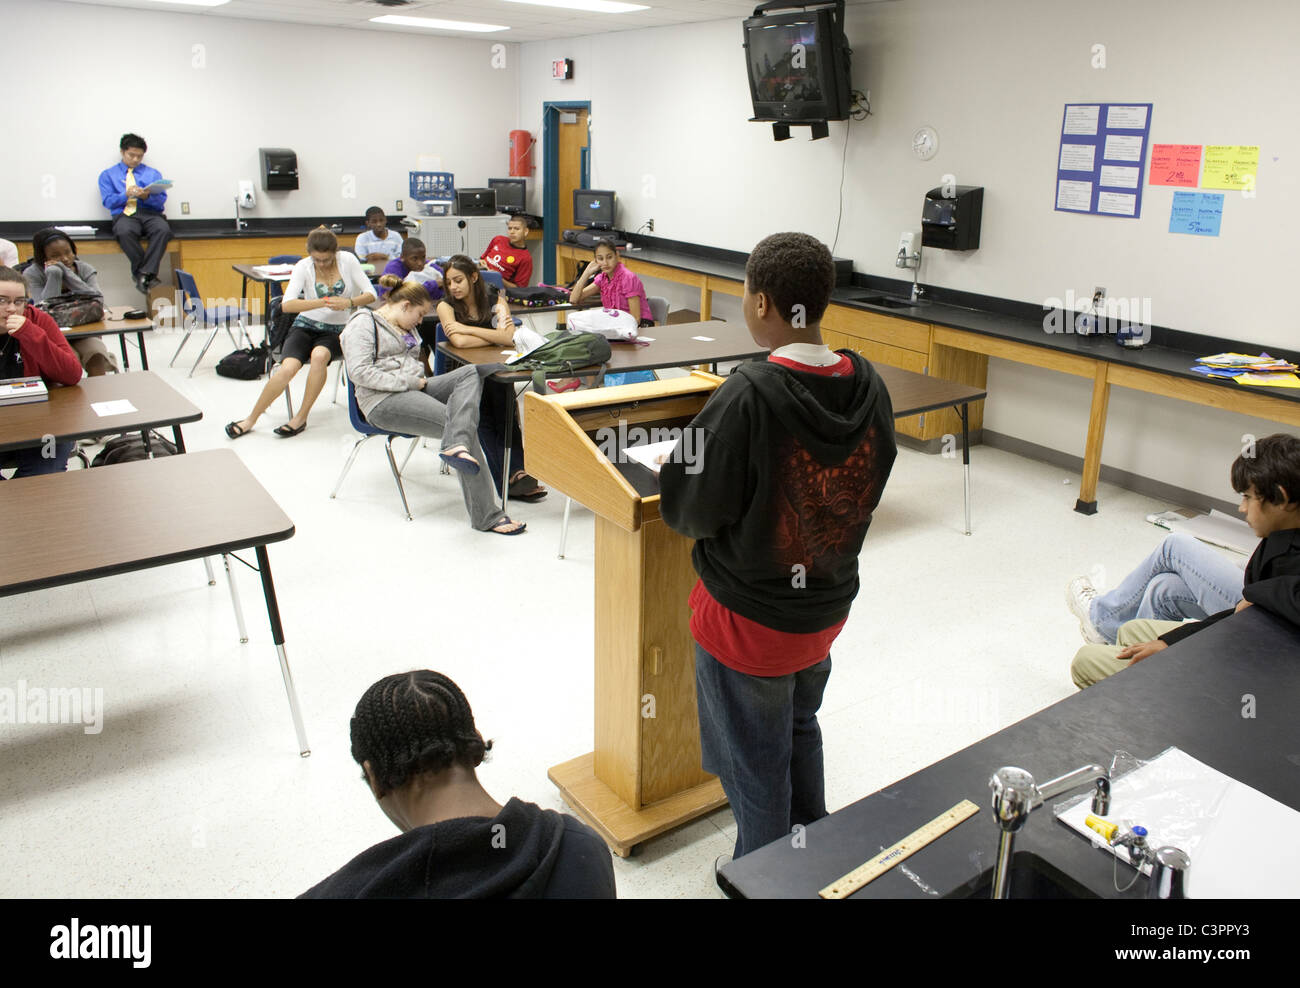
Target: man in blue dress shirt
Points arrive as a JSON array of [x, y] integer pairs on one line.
[[135, 214]]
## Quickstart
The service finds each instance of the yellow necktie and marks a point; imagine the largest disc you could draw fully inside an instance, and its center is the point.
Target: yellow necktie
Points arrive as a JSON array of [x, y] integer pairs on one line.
[[129, 208]]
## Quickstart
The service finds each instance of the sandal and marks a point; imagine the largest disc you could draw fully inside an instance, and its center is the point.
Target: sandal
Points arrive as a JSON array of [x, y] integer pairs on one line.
[[234, 431], [286, 431], [526, 488], [458, 458], [506, 521], [572, 384]]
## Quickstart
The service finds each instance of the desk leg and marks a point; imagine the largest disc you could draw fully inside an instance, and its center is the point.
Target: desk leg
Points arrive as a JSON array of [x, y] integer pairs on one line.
[[1087, 502], [207, 565], [965, 458], [277, 635], [121, 342], [148, 446], [234, 599], [144, 354], [511, 398], [178, 438]]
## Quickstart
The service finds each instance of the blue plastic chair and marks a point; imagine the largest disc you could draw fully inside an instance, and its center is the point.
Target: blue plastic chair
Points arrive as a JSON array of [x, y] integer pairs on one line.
[[368, 431], [198, 317], [277, 287]]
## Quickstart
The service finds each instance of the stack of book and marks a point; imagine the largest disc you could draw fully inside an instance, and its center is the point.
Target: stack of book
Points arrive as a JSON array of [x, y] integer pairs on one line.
[[22, 390], [1247, 369]]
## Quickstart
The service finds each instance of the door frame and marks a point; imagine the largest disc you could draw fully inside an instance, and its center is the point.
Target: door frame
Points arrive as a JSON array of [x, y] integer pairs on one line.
[[550, 177]]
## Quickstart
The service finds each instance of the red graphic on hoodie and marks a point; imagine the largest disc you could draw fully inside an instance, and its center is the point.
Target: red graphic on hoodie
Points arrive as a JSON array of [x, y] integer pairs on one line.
[[823, 509]]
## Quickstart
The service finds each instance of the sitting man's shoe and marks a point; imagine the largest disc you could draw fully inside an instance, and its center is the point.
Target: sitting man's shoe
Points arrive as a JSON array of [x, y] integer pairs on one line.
[[1079, 594], [140, 284]]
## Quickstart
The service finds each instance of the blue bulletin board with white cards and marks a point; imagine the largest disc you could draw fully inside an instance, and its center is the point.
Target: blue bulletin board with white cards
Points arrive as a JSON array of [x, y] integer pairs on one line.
[[1102, 158]]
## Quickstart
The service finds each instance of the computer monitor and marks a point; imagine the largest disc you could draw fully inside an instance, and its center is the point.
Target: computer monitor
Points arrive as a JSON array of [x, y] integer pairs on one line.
[[512, 194], [594, 208]]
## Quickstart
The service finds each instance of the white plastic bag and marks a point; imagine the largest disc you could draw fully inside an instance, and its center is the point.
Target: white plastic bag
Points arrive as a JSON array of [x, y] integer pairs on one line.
[[613, 324]]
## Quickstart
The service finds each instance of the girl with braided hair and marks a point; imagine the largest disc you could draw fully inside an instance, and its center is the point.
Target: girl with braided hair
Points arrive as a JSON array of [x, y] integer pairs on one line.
[[414, 737]]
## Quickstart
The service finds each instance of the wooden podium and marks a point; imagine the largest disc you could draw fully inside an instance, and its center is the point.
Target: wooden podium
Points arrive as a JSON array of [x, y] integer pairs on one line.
[[644, 777]]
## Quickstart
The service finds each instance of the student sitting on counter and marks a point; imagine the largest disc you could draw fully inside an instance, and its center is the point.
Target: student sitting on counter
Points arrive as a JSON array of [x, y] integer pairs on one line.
[[1269, 484], [31, 345], [414, 736]]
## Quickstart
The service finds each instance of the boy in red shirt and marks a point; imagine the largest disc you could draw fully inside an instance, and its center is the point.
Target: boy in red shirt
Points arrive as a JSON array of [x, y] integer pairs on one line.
[[31, 345], [509, 255], [793, 456]]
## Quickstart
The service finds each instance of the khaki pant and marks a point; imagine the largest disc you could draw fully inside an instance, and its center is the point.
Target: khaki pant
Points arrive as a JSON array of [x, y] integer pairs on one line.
[[91, 346], [1093, 663]]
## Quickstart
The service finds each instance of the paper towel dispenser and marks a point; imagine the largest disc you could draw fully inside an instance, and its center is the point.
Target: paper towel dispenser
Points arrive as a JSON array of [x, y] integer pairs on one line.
[[279, 169], [952, 221]]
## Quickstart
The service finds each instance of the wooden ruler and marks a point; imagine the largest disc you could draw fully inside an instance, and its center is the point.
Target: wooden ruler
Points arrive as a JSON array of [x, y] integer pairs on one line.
[[909, 845]]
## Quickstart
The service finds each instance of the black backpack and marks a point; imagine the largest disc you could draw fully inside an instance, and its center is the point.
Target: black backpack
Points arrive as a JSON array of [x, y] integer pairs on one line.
[[124, 449], [247, 364], [278, 323]]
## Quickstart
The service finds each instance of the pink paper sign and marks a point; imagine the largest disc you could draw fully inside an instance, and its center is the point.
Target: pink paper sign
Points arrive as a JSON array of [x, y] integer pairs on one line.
[[1175, 164]]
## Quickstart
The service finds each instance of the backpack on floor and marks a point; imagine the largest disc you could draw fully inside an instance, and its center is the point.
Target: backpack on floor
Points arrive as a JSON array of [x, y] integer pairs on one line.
[[124, 449], [563, 353], [247, 364]]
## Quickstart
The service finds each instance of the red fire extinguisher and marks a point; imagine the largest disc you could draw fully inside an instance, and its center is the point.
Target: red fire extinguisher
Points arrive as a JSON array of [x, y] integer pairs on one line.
[[521, 153]]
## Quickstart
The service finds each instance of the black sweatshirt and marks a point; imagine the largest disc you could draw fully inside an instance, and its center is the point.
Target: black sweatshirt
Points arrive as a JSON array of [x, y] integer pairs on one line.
[[1272, 582], [790, 467], [524, 852]]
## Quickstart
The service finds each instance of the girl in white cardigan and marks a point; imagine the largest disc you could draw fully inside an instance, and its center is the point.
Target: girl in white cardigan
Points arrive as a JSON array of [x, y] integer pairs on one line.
[[326, 287]]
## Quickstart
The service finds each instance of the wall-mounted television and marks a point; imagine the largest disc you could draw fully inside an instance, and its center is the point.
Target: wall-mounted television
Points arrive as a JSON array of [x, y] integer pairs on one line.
[[798, 62]]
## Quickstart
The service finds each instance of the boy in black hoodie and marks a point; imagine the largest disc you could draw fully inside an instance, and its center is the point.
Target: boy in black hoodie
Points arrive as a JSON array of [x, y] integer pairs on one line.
[[794, 455], [413, 735]]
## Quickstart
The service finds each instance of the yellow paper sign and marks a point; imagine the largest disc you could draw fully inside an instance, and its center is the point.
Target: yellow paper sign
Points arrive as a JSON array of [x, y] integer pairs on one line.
[[1269, 380], [1230, 166]]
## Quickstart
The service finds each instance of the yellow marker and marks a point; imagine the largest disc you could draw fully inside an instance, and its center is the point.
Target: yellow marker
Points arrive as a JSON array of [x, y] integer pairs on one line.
[[1103, 827]]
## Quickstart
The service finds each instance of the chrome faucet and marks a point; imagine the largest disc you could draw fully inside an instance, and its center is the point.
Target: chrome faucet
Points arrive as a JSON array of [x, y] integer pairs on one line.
[[239, 224], [1016, 795]]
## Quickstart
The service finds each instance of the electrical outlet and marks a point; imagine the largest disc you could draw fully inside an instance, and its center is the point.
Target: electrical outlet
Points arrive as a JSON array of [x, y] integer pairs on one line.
[[1098, 295], [398, 204], [185, 208], [651, 225]]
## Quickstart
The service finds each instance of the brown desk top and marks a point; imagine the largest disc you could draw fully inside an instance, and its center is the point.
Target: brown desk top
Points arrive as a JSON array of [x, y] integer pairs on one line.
[[672, 347], [68, 415], [112, 323], [912, 393], [148, 513], [249, 271]]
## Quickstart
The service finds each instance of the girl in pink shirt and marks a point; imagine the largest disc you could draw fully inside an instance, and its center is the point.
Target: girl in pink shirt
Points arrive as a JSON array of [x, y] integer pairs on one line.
[[619, 288]]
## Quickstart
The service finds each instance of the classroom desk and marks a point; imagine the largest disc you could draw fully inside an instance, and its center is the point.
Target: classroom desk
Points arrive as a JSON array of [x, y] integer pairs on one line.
[[954, 342], [672, 346], [912, 393], [249, 272], [68, 413], [1189, 696], [151, 513], [114, 325]]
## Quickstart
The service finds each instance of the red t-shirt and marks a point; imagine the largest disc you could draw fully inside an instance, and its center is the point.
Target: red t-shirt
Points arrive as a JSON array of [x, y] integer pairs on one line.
[[745, 645], [514, 263]]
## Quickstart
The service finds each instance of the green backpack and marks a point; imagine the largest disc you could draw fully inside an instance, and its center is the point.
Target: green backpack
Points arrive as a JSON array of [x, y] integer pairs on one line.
[[564, 353]]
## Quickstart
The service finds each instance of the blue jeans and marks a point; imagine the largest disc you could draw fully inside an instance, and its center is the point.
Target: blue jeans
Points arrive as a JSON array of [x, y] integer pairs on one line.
[[31, 463], [1182, 578], [760, 736]]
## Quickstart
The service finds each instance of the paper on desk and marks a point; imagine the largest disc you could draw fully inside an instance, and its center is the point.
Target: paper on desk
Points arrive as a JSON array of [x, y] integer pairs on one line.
[[273, 270], [119, 407], [1216, 528], [703, 339], [1269, 380], [1232, 832], [648, 454]]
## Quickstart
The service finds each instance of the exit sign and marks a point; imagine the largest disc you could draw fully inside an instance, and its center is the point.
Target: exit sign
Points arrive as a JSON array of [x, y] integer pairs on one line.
[[562, 68]]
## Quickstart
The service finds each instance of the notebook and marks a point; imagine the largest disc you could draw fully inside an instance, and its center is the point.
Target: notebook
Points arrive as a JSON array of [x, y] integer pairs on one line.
[[22, 390]]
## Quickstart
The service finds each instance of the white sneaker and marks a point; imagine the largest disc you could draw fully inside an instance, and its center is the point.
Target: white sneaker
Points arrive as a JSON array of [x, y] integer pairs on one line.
[[1079, 594]]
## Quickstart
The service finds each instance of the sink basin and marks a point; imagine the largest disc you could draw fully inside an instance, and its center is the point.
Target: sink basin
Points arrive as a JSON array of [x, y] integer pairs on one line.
[[884, 301], [1032, 877]]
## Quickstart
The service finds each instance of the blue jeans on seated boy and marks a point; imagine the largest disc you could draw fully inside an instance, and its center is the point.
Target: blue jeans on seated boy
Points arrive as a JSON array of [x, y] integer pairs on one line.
[[759, 735], [32, 462], [1182, 578]]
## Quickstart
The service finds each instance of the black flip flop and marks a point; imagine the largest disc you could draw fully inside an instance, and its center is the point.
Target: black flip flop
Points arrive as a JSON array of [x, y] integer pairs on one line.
[[284, 432], [461, 461], [508, 521], [526, 488], [234, 431]]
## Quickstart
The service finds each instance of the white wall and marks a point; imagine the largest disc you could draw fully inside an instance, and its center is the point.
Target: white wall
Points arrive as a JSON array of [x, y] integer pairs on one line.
[[83, 75], [670, 134]]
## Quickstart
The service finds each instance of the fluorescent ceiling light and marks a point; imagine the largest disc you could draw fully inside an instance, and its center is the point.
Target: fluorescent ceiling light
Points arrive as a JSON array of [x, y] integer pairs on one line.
[[194, 3], [593, 6], [436, 24]]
